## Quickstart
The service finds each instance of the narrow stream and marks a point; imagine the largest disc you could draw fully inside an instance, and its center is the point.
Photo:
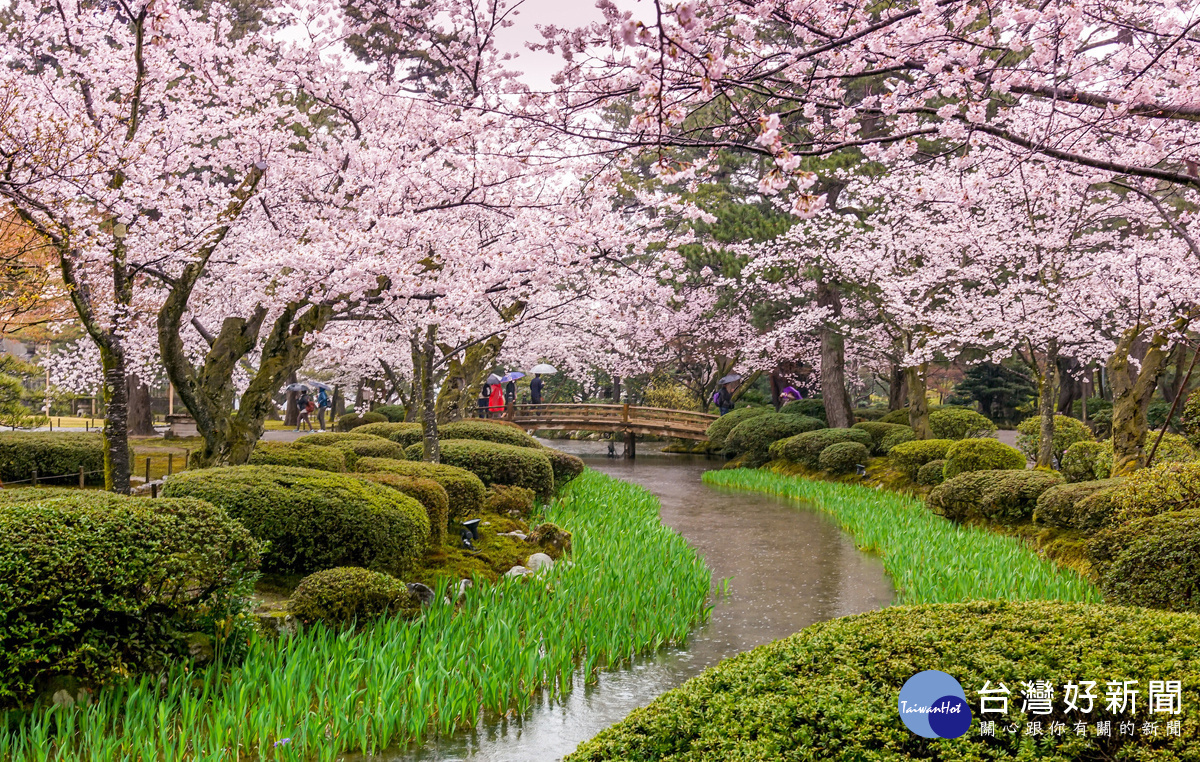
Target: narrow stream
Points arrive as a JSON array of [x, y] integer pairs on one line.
[[790, 567]]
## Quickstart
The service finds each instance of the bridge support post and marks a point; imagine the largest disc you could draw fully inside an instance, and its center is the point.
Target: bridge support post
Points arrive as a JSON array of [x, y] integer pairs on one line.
[[630, 445]]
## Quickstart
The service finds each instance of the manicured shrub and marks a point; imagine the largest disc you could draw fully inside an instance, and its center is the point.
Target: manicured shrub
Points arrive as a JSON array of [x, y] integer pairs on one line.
[[327, 438], [415, 451], [1158, 489], [869, 413], [487, 431], [351, 421], [811, 408], [394, 413], [1066, 505], [959, 423], [899, 417], [95, 586], [350, 594], [829, 691], [314, 520], [1153, 562], [1078, 462], [388, 430], [753, 438], [508, 500], [720, 428], [843, 457], [981, 455], [806, 448], [353, 449], [910, 456], [1172, 449], [1067, 431], [298, 455], [898, 436], [425, 491], [1190, 419], [566, 466], [410, 435], [880, 431], [1101, 423], [1098, 509], [51, 454], [502, 464], [463, 487], [932, 473], [1005, 497]]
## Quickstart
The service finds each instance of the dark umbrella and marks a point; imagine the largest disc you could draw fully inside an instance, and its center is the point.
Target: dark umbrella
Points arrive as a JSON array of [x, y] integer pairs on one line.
[[492, 379], [319, 385], [729, 379], [296, 388]]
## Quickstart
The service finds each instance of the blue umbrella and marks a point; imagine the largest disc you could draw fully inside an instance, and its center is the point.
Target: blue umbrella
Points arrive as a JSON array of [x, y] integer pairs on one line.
[[511, 376]]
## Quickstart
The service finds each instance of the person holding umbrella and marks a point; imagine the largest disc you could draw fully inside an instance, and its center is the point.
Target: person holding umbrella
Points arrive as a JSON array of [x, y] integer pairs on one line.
[[304, 406], [495, 397], [725, 393], [510, 388], [535, 386]]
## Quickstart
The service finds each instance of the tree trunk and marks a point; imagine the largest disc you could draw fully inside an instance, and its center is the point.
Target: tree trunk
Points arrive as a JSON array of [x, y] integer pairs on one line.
[[433, 450], [464, 378], [291, 412], [897, 391], [833, 361], [1048, 379], [141, 416], [918, 405], [776, 387], [1132, 389], [116, 421]]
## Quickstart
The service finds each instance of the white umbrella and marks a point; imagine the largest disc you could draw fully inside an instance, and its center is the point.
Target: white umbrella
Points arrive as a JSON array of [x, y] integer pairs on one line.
[[543, 368]]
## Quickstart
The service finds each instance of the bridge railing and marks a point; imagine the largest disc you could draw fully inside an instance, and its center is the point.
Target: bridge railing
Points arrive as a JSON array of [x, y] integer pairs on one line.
[[565, 413]]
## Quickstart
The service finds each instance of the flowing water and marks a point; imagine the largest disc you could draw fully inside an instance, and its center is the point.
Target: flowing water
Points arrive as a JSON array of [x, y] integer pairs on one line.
[[790, 567]]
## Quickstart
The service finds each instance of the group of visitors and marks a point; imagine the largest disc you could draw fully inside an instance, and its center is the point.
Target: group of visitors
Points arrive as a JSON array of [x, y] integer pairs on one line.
[[496, 397], [306, 406]]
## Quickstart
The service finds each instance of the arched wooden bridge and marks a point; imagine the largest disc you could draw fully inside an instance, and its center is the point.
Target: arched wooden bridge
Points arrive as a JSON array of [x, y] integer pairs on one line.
[[627, 419]]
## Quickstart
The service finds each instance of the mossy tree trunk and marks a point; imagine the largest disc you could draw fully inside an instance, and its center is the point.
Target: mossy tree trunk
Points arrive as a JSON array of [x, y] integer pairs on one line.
[[1132, 388], [465, 376], [833, 360], [428, 346], [918, 404], [897, 390], [116, 420], [141, 416], [1048, 375]]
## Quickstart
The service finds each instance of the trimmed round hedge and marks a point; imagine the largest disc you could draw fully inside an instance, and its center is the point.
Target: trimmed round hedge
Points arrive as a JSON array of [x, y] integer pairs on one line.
[[1078, 463], [1071, 505], [896, 416], [314, 520], [388, 430], [843, 457], [959, 423], [566, 466], [464, 488], [351, 421], [1189, 419], [502, 464], [394, 413], [1152, 562], [348, 595], [880, 431], [981, 455], [811, 408], [830, 692], [1005, 497], [488, 431], [753, 438], [932, 473], [51, 454], [719, 429], [1159, 489], [425, 491], [96, 586], [298, 455], [353, 449], [1067, 431], [1172, 449], [910, 456], [900, 436], [328, 438], [806, 448]]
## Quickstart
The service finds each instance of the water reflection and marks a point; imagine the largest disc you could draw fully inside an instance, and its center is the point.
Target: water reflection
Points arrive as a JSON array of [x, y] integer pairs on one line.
[[790, 567]]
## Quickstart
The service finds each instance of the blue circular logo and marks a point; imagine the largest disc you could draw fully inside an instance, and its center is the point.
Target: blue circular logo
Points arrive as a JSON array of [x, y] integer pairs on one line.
[[933, 705]]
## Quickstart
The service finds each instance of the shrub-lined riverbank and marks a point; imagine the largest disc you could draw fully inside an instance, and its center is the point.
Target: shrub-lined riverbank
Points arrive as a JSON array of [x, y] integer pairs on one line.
[[631, 586], [930, 559]]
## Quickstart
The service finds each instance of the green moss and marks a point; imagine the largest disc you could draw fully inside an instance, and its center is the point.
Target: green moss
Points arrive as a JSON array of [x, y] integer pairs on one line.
[[829, 692]]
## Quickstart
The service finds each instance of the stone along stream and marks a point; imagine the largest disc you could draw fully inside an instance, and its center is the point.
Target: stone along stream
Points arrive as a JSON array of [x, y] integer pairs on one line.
[[789, 567]]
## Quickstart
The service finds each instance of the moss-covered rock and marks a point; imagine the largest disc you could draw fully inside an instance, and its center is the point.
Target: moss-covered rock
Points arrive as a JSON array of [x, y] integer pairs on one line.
[[1005, 497], [314, 520], [509, 500], [981, 455], [806, 448], [463, 487], [830, 691], [552, 539], [347, 595], [298, 455]]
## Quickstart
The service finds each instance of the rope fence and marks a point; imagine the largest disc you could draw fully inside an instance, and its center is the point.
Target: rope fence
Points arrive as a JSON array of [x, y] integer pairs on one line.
[[35, 479]]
